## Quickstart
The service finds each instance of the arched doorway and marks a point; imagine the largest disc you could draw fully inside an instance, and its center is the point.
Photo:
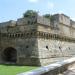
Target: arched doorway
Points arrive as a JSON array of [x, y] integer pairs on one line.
[[10, 55]]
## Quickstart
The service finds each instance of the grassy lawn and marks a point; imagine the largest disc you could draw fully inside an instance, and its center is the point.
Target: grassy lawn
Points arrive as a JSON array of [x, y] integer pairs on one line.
[[13, 70]]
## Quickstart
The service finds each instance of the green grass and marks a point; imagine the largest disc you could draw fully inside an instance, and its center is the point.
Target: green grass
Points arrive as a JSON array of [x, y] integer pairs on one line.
[[13, 70]]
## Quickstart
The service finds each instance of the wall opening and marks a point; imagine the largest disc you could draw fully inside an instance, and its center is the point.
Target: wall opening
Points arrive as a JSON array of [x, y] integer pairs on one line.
[[10, 55]]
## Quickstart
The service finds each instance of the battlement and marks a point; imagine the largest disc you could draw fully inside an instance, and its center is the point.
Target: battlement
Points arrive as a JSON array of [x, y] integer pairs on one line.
[[58, 18], [33, 20], [60, 22], [8, 23], [61, 18]]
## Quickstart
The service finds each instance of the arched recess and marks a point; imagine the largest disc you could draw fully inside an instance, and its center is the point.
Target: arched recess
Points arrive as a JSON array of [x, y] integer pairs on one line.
[[9, 55]]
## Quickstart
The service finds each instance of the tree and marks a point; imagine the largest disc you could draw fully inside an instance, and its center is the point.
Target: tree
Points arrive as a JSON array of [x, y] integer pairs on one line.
[[30, 13], [49, 17]]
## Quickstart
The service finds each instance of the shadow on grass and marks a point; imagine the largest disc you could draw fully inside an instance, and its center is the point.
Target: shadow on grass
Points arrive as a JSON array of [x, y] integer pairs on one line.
[[14, 64]]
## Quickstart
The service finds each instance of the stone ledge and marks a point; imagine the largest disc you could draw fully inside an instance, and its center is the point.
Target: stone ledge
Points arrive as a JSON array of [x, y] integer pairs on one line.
[[52, 69]]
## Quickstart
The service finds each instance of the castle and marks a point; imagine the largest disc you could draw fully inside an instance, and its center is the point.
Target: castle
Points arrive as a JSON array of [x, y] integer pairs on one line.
[[35, 40]]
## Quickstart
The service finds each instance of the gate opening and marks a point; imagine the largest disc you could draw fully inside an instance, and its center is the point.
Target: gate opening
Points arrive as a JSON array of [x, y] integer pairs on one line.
[[10, 55]]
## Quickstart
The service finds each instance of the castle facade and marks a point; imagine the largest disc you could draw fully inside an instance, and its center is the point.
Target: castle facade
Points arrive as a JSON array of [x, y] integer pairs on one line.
[[35, 40]]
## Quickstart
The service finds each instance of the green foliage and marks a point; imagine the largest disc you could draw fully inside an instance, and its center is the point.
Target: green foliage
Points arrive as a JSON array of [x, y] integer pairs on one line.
[[49, 17], [30, 13], [13, 70]]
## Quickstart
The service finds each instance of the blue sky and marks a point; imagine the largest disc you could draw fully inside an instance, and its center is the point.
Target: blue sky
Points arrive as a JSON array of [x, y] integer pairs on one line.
[[13, 9]]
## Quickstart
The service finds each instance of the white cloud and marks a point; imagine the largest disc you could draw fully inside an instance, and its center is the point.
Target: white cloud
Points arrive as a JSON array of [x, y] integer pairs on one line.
[[33, 1], [50, 5]]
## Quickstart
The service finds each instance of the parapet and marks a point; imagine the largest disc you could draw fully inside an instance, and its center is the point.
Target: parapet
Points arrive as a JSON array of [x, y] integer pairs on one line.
[[61, 18], [43, 20], [33, 20], [58, 19], [10, 23], [72, 23]]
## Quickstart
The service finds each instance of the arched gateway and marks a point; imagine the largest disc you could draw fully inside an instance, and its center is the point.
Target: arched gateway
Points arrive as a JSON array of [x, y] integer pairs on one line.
[[9, 55]]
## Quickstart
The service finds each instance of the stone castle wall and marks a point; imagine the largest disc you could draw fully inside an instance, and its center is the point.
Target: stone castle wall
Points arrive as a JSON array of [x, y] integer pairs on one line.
[[49, 49], [38, 40], [24, 43]]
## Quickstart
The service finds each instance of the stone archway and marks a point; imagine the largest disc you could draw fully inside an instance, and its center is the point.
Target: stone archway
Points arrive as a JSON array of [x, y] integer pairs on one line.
[[10, 55]]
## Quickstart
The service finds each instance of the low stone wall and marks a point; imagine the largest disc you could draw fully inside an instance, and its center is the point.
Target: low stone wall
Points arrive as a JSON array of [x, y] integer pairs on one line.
[[52, 69]]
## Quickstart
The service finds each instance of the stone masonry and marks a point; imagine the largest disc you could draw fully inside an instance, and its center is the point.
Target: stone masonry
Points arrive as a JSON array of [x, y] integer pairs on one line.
[[36, 40]]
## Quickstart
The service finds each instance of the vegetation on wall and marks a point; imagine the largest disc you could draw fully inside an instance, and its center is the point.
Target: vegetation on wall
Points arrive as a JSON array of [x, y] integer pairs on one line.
[[30, 13], [49, 17]]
